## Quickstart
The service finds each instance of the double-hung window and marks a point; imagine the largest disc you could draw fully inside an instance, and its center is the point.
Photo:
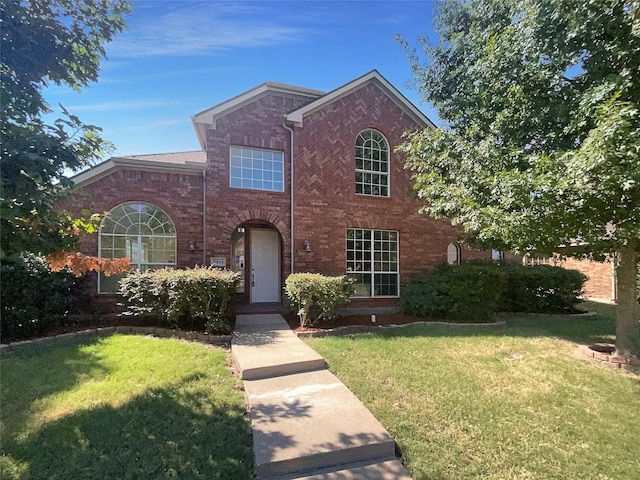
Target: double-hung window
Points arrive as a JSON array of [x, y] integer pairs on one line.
[[372, 261], [372, 164], [256, 169]]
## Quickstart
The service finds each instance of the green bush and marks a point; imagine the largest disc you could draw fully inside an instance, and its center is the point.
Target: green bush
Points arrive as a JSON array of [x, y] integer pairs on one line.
[[325, 293], [182, 297], [541, 289], [476, 291], [466, 292], [36, 300]]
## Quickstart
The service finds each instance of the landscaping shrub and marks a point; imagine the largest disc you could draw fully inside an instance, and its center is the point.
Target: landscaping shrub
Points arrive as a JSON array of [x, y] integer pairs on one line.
[[36, 300], [541, 289], [465, 292], [476, 291], [325, 293], [183, 297]]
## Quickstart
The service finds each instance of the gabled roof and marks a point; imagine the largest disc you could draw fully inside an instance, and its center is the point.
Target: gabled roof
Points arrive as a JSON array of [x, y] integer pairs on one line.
[[209, 116], [194, 161], [392, 92]]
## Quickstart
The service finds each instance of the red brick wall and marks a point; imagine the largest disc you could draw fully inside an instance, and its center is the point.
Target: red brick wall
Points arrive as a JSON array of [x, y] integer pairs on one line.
[[179, 195], [600, 280], [257, 125], [325, 200]]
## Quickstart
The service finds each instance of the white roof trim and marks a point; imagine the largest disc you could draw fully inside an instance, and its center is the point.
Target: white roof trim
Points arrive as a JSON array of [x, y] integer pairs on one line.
[[207, 118], [117, 163], [297, 116]]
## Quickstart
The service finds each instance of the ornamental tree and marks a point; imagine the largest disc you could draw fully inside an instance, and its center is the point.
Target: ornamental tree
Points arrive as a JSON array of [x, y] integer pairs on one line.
[[540, 148], [44, 42]]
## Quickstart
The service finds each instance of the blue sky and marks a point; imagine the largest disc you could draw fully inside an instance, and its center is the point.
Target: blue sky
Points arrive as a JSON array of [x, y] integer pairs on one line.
[[180, 57]]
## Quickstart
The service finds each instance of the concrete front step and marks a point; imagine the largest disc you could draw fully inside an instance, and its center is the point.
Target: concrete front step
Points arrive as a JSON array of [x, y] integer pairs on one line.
[[264, 346], [309, 421], [386, 470]]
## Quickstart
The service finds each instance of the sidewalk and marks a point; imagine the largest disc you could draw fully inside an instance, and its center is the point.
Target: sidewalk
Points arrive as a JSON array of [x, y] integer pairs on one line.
[[306, 424]]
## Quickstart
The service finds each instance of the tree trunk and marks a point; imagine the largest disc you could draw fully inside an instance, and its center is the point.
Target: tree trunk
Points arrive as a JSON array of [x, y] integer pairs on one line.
[[628, 317]]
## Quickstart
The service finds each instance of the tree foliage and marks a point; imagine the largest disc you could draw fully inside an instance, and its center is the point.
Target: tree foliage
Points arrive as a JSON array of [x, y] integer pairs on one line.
[[541, 140], [47, 42]]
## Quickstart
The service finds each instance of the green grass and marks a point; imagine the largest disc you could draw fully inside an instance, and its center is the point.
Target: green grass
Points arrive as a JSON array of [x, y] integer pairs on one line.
[[122, 407], [512, 402]]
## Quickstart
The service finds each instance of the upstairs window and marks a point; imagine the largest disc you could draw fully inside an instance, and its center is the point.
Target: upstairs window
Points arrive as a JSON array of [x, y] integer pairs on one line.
[[256, 169], [141, 232], [372, 164]]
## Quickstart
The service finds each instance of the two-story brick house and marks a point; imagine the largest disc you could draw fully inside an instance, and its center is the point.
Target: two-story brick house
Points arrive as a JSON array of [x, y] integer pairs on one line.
[[288, 180]]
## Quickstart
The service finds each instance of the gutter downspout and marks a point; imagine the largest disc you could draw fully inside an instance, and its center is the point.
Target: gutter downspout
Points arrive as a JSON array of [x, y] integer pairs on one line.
[[292, 195], [204, 217]]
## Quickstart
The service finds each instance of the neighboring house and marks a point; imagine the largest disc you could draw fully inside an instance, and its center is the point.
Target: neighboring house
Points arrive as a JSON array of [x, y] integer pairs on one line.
[[289, 180]]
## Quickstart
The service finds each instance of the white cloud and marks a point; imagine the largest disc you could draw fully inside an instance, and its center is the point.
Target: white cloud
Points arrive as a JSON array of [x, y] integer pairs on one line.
[[201, 28], [123, 105]]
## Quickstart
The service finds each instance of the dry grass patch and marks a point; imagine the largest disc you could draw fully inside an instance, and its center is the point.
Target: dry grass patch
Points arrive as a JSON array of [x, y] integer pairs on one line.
[[509, 402]]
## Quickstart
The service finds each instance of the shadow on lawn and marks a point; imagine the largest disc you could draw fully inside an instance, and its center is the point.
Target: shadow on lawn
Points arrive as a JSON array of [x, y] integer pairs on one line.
[[169, 432], [32, 366]]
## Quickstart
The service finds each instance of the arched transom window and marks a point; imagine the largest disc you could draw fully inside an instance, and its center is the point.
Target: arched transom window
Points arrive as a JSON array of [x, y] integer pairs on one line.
[[141, 232], [372, 164]]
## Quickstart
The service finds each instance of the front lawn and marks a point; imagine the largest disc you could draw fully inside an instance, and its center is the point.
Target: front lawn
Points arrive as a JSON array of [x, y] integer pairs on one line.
[[125, 407], [512, 402]]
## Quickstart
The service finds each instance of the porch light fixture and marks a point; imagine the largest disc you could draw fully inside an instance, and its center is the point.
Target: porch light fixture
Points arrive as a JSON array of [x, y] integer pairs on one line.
[[307, 245], [192, 245]]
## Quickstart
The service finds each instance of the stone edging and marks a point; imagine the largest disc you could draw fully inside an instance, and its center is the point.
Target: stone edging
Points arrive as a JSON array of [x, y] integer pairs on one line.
[[536, 315], [614, 361], [106, 331], [329, 332]]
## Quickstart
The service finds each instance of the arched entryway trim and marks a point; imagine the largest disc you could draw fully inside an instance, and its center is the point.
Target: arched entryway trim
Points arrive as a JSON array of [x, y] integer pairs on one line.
[[256, 253]]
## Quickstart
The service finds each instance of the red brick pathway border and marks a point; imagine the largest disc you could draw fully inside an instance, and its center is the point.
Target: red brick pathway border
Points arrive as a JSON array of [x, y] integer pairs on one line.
[[604, 352]]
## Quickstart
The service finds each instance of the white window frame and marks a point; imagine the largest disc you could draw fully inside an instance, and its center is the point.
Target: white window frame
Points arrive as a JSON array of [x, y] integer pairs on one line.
[[454, 253], [366, 153], [248, 169], [148, 216], [363, 260]]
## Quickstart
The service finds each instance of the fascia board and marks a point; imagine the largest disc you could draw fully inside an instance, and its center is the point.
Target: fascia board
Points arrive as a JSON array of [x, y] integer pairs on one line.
[[120, 163], [296, 117], [209, 115], [207, 118]]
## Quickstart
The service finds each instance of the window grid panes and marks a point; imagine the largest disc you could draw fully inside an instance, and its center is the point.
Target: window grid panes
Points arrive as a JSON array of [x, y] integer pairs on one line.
[[141, 232], [256, 169], [372, 262], [372, 164]]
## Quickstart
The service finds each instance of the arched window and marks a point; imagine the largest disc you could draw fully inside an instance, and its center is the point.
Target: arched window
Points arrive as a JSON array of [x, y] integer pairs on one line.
[[372, 164], [141, 232], [453, 254]]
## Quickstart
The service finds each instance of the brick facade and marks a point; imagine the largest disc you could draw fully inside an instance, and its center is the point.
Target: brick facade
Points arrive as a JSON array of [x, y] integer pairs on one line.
[[325, 203], [600, 282]]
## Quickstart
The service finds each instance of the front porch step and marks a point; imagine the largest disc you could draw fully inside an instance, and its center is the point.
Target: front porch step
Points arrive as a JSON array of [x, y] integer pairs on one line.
[[309, 421], [264, 346]]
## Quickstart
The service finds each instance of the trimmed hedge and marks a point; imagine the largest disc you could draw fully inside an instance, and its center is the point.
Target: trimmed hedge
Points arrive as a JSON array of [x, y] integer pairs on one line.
[[541, 289], [476, 291], [467, 292], [36, 300], [316, 296], [182, 297]]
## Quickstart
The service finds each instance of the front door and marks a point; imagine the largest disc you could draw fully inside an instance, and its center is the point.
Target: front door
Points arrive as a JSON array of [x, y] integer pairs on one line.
[[265, 266]]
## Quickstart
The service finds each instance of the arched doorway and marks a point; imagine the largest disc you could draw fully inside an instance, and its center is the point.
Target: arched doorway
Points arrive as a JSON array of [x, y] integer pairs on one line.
[[256, 253]]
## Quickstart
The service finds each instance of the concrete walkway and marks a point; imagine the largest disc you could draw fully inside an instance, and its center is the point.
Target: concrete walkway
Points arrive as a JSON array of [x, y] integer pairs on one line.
[[306, 424]]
